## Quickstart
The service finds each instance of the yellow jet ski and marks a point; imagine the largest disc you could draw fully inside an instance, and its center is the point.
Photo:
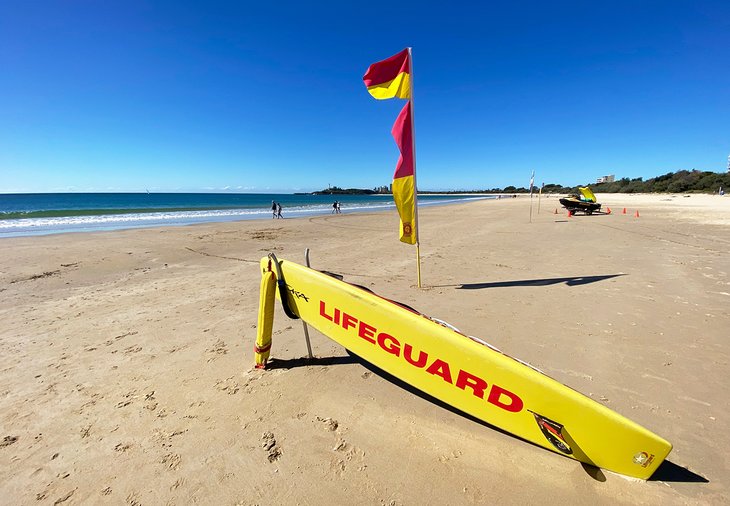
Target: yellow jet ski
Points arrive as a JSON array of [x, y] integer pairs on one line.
[[586, 202]]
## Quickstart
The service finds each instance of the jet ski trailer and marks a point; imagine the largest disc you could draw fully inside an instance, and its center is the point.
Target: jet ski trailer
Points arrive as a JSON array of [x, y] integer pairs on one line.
[[585, 203]]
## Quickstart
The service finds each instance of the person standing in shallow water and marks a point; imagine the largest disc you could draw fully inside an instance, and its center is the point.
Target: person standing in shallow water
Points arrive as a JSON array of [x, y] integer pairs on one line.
[[278, 210], [273, 209]]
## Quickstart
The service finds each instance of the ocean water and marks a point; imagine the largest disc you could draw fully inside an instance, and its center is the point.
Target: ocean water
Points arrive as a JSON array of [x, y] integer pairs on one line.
[[50, 213]]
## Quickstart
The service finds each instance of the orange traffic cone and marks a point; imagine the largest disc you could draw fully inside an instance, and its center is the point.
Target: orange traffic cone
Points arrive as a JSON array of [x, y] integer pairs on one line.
[[608, 210], [636, 214], [624, 211]]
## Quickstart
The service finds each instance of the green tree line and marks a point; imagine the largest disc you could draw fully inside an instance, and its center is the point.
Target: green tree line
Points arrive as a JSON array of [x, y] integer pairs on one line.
[[673, 182], [683, 181]]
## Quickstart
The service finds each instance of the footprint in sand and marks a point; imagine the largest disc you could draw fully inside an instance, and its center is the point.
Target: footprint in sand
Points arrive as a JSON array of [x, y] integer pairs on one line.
[[345, 454], [114, 339], [329, 423], [228, 385], [122, 447], [134, 500], [8, 440], [150, 401], [273, 453], [63, 498], [218, 348], [171, 461]]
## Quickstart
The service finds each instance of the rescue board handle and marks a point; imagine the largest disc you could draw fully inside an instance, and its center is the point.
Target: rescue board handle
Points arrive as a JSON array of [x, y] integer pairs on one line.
[[281, 283]]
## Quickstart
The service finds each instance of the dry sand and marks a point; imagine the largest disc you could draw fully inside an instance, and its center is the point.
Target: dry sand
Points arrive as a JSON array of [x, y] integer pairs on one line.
[[126, 358]]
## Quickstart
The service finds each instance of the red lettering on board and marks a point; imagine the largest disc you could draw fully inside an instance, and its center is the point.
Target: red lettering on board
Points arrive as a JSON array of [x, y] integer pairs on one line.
[[477, 384], [322, 311], [366, 332], [393, 348], [498, 396], [348, 321], [440, 368], [495, 397], [408, 355]]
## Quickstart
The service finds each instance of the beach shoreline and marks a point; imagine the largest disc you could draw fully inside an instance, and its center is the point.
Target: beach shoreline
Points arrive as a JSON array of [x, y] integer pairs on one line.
[[44, 214], [127, 364]]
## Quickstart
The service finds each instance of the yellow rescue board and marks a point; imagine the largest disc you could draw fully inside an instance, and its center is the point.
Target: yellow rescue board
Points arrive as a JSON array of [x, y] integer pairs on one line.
[[470, 375]]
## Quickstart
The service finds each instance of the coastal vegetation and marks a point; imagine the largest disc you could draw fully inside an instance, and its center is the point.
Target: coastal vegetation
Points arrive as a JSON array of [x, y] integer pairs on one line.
[[683, 181]]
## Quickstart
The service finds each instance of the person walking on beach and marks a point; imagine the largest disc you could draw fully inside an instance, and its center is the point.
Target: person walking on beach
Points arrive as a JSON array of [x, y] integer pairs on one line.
[[338, 207], [273, 209], [278, 210], [334, 207]]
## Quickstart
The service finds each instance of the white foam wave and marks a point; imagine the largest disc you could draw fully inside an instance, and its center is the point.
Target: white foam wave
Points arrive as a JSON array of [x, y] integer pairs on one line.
[[46, 225]]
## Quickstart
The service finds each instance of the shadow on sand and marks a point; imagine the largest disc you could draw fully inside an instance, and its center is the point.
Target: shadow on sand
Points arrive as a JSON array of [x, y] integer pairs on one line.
[[277, 363], [670, 472], [667, 471], [570, 281]]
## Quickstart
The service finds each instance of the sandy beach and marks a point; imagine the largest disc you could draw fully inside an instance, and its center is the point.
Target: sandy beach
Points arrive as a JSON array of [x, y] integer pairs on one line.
[[126, 358]]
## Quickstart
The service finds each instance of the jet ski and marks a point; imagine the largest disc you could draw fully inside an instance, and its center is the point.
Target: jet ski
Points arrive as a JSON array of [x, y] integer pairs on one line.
[[586, 202]]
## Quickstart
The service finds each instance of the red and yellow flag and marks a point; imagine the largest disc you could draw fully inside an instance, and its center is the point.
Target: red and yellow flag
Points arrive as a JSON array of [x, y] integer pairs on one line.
[[404, 188], [390, 78]]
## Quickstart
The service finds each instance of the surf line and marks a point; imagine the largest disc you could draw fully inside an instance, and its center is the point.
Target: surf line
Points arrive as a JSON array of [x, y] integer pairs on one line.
[[498, 396]]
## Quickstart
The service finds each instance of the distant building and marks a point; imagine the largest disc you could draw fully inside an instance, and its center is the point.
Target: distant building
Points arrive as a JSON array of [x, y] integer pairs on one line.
[[607, 179]]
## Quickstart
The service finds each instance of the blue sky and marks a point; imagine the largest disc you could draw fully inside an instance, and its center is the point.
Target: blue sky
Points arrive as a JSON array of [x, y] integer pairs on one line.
[[238, 96]]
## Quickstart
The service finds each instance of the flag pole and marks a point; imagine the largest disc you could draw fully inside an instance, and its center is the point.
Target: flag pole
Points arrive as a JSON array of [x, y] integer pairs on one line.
[[532, 180], [415, 181]]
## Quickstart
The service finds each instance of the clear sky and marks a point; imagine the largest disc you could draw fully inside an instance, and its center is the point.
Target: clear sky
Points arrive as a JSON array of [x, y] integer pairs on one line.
[[241, 96]]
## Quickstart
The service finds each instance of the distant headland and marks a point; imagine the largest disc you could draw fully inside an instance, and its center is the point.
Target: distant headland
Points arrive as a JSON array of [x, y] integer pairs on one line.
[[335, 190]]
